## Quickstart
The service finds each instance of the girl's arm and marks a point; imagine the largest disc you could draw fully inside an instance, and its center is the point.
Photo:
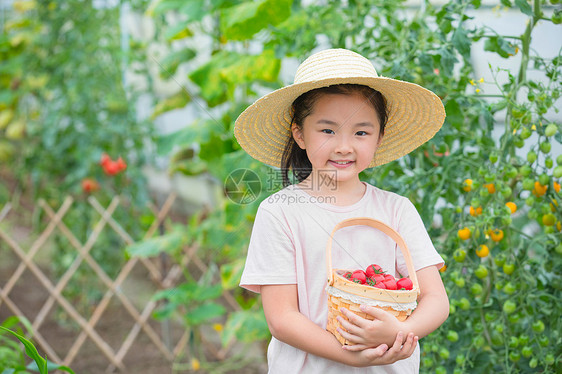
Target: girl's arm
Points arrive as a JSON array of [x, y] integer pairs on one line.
[[287, 324], [431, 312]]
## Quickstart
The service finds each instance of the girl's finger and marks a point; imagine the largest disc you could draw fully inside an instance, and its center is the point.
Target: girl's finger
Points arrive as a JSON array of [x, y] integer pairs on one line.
[[354, 318], [410, 345], [375, 353], [408, 348], [355, 347], [377, 313], [349, 327], [352, 338]]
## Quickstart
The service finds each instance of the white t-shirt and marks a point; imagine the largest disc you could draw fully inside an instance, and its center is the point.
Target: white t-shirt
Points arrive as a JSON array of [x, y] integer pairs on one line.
[[288, 246]]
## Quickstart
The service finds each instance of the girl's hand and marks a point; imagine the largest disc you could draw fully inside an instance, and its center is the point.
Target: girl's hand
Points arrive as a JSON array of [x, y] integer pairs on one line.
[[365, 333], [381, 355]]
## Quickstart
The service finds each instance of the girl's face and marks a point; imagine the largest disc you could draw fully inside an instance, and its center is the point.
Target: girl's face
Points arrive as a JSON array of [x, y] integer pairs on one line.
[[340, 136]]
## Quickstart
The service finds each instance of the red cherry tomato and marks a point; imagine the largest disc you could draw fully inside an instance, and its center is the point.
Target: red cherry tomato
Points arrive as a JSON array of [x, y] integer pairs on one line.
[[359, 277], [373, 269], [404, 283], [390, 284]]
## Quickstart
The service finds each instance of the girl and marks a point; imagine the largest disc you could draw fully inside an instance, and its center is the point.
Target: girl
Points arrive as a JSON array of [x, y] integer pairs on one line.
[[336, 120]]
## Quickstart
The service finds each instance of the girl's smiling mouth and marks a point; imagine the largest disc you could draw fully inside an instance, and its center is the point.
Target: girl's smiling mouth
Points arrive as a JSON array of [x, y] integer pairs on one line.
[[341, 163]]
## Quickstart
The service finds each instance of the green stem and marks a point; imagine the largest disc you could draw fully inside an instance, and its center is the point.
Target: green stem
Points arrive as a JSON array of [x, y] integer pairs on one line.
[[526, 42], [485, 327]]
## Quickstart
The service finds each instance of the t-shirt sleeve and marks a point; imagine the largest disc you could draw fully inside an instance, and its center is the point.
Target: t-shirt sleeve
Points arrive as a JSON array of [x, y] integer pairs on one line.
[[412, 230], [271, 253]]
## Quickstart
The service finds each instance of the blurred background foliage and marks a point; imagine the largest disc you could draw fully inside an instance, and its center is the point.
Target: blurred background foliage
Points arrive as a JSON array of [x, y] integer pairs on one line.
[[490, 203]]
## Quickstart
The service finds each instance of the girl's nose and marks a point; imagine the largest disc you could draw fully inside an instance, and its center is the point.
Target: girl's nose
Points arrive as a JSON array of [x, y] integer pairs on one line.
[[343, 145]]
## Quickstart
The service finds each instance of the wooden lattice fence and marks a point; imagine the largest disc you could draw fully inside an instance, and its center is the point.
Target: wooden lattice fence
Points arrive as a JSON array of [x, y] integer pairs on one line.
[[162, 279]]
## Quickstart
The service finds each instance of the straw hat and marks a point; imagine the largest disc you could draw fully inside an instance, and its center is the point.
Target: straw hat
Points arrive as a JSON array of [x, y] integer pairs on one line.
[[415, 114]]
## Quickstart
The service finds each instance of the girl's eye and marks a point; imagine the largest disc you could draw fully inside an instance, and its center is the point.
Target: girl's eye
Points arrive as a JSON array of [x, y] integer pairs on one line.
[[361, 133], [328, 131]]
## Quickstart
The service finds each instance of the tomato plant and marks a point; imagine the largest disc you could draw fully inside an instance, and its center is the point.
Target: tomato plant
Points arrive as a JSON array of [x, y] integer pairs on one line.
[[63, 103]]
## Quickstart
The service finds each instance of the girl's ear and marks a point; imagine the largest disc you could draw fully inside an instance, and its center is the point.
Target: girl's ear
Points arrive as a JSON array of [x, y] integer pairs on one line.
[[297, 135]]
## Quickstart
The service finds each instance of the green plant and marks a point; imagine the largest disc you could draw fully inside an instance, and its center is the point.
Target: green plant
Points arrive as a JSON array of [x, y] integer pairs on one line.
[[70, 104], [64, 103], [12, 359], [195, 301]]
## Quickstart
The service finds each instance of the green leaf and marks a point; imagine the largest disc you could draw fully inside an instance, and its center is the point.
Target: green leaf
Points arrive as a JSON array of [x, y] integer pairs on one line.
[[246, 326], [461, 42], [454, 113], [426, 62], [176, 101], [204, 313], [208, 292], [231, 274], [213, 87], [524, 6], [242, 21], [50, 366], [194, 10], [177, 32], [197, 132], [164, 311], [189, 167], [189, 292], [216, 147], [31, 351], [168, 243], [248, 68], [14, 320], [163, 6], [447, 60], [220, 4], [227, 71], [171, 62], [500, 46]]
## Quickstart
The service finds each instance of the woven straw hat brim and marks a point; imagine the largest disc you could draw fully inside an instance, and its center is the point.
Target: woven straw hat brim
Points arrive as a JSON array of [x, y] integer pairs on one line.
[[415, 115]]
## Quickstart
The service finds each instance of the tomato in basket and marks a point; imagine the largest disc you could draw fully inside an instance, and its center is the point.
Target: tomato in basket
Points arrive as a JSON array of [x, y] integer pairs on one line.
[[374, 276], [373, 269], [405, 283], [359, 276], [390, 282], [377, 278]]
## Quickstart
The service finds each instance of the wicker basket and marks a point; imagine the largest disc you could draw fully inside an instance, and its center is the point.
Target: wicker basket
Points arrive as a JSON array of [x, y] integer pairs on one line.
[[345, 293]]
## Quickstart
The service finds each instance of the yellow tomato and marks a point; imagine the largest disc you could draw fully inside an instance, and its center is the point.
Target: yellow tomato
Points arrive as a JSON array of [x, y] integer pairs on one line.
[[512, 206], [483, 251], [496, 235], [467, 185], [464, 233], [548, 219], [556, 187], [491, 188], [475, 212], [442, 270], [539, 189]]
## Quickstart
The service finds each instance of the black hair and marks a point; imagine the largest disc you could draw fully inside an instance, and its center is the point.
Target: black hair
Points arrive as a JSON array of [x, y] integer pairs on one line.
[[294, 157]]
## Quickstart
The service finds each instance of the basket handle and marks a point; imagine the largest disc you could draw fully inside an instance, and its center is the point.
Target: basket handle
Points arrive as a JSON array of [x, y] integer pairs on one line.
[[366, 221]]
